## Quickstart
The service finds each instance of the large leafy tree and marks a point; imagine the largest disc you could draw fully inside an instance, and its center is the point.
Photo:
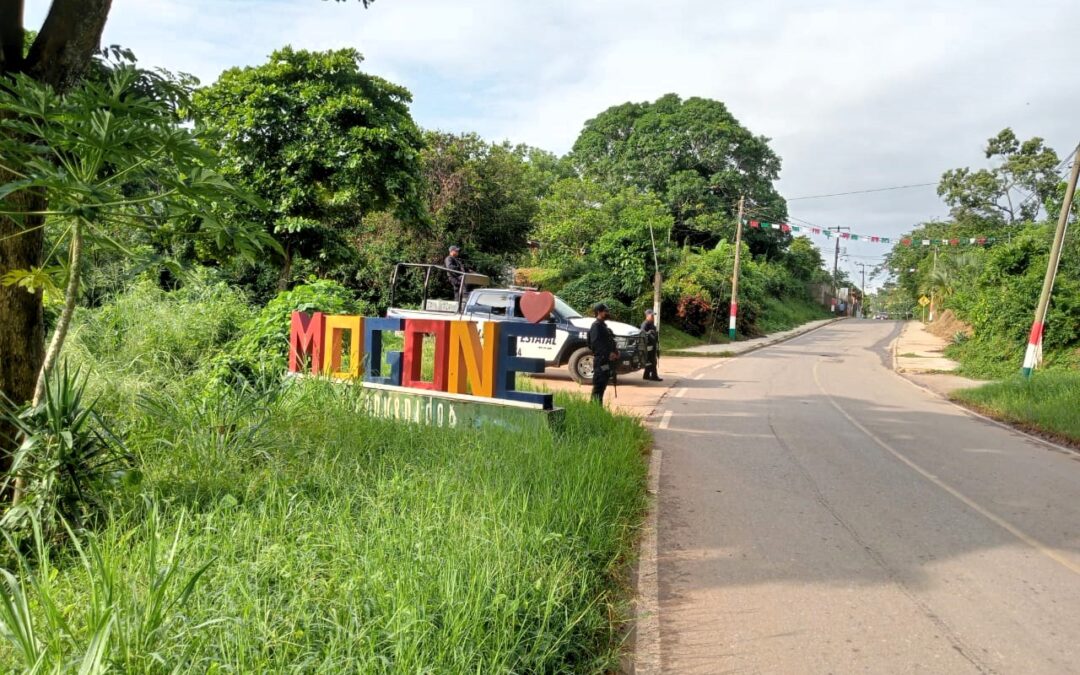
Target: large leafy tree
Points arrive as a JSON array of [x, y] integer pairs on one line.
[[322, 142], [696, 156], [480, 195], [1022, 183]]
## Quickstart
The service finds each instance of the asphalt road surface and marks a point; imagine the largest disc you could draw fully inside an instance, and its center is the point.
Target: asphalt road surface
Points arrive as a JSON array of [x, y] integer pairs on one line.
[[817, 513]]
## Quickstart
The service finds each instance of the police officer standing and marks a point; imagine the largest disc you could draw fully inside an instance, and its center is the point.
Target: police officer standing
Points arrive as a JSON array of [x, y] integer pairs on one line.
[[605, 354], [456, 266], [652, 347]]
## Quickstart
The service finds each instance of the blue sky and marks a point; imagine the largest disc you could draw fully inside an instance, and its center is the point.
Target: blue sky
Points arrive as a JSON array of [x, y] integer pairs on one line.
[[855, 94]]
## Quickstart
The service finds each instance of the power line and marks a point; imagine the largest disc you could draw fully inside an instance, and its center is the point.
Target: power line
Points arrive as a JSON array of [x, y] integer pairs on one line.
[[862, 192]]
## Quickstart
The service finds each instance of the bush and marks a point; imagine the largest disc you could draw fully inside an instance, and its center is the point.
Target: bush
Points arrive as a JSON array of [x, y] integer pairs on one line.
[[148, 329], [585, 291]]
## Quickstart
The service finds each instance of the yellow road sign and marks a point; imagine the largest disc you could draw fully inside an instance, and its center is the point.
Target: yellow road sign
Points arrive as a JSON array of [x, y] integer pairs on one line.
[[924, 301]]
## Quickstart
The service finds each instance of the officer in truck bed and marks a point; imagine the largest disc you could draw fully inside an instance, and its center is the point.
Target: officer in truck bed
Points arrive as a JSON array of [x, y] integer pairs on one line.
[[605, 354]]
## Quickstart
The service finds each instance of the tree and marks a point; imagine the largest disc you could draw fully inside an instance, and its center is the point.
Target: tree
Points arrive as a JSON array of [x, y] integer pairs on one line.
[[479, 195], [696, 156], [601, 240], [81, 151], [58, 56], [1017, 189], [805, 261], [320, 141]]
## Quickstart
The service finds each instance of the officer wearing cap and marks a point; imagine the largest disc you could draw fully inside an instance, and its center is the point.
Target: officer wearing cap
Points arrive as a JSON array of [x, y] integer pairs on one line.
[[454, 263], [652, 346], [605, 354]]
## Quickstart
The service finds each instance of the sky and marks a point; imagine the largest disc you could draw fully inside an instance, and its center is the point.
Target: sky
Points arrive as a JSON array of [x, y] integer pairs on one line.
[[855, 94]]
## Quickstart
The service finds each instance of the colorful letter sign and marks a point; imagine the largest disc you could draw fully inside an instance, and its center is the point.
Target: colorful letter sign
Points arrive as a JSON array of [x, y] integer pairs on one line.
[[463, 362]]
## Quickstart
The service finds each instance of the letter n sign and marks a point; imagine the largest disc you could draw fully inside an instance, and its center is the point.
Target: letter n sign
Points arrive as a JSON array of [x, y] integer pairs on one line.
[[306, 339]]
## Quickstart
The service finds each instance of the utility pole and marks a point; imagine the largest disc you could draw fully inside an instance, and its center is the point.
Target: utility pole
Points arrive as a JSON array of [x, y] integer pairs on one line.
[[836, 264], [862, 290], [1034, 349], [735, 273], [657, 280], [933, 273]]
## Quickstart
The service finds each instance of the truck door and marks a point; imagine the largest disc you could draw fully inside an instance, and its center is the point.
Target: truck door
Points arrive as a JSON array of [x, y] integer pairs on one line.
[[538, 348]]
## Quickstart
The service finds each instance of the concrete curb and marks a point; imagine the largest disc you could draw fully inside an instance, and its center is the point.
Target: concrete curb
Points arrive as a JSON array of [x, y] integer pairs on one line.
[[727, 353]]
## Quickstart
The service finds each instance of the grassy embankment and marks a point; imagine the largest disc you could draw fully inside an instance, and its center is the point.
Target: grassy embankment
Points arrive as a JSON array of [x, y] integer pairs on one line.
[[1048, 402], [332, 542], [779, 315]]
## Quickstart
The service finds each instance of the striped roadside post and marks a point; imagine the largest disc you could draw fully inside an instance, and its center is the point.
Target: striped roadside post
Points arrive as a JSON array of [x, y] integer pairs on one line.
[[1034, 349], [1033, 355], [735, 273]]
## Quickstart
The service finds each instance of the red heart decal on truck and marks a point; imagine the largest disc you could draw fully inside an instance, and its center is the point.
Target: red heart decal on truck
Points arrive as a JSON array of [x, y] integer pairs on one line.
[[537, 306]]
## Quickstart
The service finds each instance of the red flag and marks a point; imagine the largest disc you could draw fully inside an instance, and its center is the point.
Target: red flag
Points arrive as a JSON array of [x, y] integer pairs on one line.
[[905, 242], [954, 242], [785, 227], [875, 239], [845, 235], [754, 223]]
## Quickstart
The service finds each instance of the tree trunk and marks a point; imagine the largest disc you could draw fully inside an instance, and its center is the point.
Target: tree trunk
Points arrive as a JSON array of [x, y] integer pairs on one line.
[[22, 322], [60, 54], [286, 270]]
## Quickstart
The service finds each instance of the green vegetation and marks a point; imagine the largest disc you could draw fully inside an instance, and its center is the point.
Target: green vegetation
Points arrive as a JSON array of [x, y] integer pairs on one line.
[[316, 537], [993, 289], [1047, 402], [173, 503], [673, 339]]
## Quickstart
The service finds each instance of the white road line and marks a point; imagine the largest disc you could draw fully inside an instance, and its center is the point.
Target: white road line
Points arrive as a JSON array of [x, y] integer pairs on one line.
[[699, 376], [680, 393], [665, 420], [967, 501]]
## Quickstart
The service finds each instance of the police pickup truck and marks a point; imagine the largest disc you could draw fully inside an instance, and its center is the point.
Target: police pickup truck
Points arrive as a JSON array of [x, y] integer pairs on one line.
[[570, 345]]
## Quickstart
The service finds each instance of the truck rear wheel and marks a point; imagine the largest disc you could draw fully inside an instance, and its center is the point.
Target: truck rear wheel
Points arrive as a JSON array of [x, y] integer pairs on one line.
[[581, 365]]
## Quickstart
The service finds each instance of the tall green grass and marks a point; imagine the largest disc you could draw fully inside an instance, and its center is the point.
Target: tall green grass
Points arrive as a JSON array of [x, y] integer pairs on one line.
[[334, 542], [780, 315], [1049, 401]]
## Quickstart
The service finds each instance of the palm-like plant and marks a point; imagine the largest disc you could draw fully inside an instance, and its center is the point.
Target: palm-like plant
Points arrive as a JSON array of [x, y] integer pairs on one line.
[[67, 458]]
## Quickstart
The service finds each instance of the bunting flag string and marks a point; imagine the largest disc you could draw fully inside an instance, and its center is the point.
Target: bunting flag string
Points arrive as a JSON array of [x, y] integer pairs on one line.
[[873, 239]]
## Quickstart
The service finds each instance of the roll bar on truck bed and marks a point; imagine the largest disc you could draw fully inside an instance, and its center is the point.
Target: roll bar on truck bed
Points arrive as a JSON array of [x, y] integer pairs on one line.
[[467, 279]]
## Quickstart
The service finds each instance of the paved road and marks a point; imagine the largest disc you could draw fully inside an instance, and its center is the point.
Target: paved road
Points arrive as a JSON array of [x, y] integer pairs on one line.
[[819, 514]]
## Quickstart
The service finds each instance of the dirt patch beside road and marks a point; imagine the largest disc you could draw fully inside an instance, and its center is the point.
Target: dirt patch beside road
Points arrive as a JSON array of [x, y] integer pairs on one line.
[[635, 396]]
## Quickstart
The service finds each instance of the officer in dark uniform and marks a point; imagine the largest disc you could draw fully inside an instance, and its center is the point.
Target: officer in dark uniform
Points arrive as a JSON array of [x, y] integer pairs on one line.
[[605, 354], [454, 263], [652, 347]]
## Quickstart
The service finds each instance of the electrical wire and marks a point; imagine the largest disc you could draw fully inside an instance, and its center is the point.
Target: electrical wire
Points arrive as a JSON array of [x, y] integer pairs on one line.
[[862, 192]]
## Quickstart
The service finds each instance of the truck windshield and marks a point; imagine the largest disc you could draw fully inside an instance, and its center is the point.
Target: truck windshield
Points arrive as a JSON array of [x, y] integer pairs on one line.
[[564, 310]]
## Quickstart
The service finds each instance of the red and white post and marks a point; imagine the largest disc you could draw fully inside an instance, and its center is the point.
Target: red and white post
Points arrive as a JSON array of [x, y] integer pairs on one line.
[[735, 272], [1033, 355]]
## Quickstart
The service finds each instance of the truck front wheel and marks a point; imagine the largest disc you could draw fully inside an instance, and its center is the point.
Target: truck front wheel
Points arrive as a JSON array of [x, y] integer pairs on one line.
[[581, 365]]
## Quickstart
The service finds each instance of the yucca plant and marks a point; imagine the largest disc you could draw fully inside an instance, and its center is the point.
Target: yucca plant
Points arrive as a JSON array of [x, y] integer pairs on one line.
[[65, 457]]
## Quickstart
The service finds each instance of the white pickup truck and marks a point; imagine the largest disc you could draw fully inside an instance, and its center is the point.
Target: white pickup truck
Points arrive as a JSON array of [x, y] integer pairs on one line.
[[570, 345]]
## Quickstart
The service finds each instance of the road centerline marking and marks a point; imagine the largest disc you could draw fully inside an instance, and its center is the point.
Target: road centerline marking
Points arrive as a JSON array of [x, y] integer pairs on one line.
[[967, 501], [680, 393]]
